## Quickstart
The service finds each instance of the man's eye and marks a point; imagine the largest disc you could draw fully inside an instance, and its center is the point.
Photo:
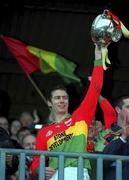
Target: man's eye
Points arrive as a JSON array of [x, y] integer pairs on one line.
[[56, 97], [65, 97], [126, 106], [59, 97]]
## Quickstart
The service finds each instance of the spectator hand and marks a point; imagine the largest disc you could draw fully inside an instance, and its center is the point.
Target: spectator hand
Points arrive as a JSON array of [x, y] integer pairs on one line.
[[125, 128], [35, 115], [49, 173], [9, 159], [89, 78]]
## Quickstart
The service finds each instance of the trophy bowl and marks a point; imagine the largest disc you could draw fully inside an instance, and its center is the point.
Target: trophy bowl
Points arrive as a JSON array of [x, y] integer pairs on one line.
[[104, 30]]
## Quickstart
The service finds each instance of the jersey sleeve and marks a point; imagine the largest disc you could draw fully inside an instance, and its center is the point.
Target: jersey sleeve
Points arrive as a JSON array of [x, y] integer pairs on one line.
[[87, 108], [109, 112], [40, 145]]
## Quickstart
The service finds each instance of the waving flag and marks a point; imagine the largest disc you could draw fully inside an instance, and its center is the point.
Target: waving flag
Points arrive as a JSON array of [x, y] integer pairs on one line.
[[32, 59], [28, 62], [53, 62]]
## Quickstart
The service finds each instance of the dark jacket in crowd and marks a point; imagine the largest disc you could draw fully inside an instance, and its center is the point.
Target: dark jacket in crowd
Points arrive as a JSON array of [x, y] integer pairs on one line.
[[116, 147], [6, 142]]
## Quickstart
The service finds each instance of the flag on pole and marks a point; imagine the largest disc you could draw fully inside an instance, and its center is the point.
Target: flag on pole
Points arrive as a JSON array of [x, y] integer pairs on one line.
[[28, 62], [32, 59], [53, 62]]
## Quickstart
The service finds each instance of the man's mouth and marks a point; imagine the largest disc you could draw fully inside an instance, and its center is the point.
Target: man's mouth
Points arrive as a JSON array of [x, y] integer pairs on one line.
[[62, 106]]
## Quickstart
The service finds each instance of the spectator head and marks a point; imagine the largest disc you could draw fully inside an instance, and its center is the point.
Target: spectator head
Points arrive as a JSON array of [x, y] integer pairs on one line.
[[21, 133], [91, 130], [4, 123], [29, 142], [98, 126], [14, 127], [58, 100], [122, 108], [26, 119]]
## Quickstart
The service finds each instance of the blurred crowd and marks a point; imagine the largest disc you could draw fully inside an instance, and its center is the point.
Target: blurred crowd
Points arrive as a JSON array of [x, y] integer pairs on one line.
[[19, 134]]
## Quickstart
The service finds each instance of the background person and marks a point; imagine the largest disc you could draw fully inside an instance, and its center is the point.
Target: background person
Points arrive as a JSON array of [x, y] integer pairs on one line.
[[119, 146]]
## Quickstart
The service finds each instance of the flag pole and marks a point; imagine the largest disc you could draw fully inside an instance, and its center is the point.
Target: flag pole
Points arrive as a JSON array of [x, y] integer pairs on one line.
[[37, 89]]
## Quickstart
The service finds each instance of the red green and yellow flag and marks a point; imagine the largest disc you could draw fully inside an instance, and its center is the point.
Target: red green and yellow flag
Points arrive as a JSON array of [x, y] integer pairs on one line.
[[32, 59], [28, 62]]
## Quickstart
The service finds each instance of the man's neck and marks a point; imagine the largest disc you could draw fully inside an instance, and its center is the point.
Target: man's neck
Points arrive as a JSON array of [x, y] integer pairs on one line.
[[60, 117], [57, 118]]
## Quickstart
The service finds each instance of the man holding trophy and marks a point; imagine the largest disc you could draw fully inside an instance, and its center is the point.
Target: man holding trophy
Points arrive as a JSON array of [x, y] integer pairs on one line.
[[105, 28]]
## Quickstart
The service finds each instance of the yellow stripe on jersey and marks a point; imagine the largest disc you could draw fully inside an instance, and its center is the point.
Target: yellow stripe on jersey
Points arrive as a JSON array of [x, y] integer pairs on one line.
[[80, 128]]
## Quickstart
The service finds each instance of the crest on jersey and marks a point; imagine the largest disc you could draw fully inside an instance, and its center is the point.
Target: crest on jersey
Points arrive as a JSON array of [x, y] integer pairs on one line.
[[49, 133], [68, 122]]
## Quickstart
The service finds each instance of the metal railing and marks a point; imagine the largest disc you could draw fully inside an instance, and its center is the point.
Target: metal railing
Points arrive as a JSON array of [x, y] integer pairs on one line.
[[61, 155]]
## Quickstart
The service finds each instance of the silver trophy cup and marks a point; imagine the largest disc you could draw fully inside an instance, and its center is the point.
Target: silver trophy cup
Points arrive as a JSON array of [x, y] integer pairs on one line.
[[105, 29]]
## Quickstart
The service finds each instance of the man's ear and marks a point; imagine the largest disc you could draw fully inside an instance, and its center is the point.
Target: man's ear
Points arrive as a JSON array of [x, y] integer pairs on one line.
[[118, 110], [49, 104]]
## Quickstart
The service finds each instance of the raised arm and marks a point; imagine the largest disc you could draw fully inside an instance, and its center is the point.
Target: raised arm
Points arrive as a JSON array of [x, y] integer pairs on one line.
[[86, 110], [109, 112]]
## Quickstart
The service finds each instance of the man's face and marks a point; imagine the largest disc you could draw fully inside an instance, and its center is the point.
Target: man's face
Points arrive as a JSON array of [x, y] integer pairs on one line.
[[91, 131], [4, 123], [98, 126], [59, 102], [29, 142], [124, 112], [26, 120], [15, 126], [22, 134]]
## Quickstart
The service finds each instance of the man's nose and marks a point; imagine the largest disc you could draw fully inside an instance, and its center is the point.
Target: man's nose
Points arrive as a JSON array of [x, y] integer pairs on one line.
[[31, 146], [62, 99]]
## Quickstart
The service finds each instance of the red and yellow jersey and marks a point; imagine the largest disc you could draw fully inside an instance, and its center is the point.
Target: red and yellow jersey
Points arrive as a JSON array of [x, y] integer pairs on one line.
[[71, 134]]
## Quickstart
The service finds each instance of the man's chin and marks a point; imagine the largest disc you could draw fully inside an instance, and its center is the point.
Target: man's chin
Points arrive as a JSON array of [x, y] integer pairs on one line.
[[62, 112]]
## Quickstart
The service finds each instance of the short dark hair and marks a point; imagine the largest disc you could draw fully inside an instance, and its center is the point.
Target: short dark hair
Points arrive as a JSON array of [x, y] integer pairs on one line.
[[22, 129], [57, 87], [120, 101]]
